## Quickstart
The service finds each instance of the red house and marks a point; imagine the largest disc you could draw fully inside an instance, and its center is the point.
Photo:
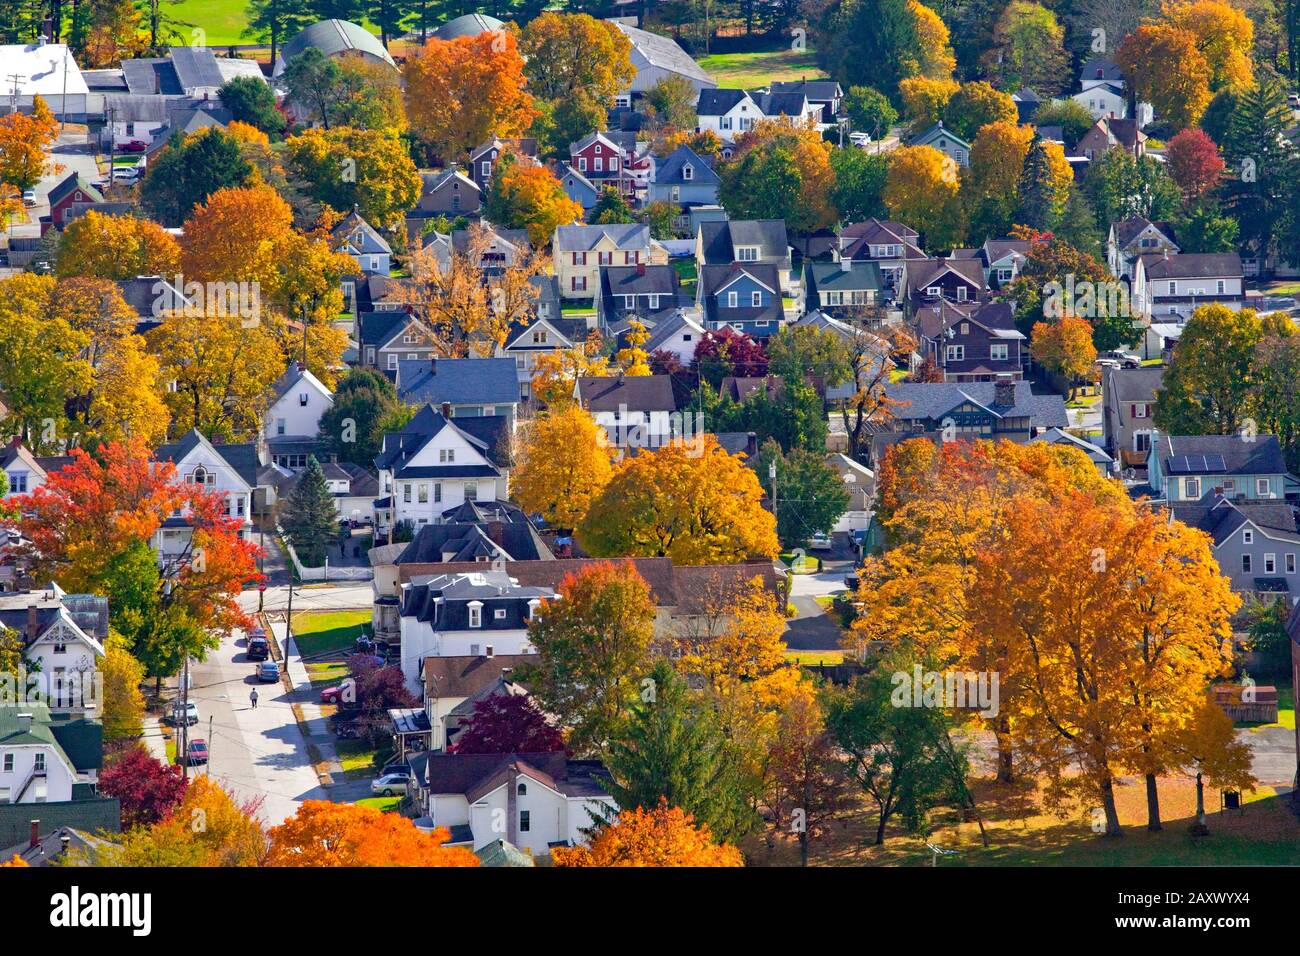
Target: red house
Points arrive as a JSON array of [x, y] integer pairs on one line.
[[71, 189]]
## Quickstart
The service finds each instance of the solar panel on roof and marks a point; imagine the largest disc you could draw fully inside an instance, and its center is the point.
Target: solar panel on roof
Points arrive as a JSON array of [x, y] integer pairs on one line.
[[1178, 463], [1215, 463]]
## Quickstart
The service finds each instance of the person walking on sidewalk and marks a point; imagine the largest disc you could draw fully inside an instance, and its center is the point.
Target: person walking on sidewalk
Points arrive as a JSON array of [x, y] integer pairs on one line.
[[253, 697]]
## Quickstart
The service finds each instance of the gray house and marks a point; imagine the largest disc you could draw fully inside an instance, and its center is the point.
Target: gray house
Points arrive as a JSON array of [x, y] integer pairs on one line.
[[687, 181], [358, 239], [449, 193], [745, 241], [1128, 406], [1255, 542], [992, 410], [466, 388]]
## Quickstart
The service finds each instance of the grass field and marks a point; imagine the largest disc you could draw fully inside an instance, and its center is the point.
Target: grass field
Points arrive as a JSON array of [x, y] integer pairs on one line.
[[1022, 834], [319, 632], [761, 68], [221, 21], [384, 804]]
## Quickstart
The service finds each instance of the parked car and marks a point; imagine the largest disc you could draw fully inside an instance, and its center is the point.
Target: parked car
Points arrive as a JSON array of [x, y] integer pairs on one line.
[[126, 174], [187, 712], [259, 648], [1124, 359], [334, 694], [29, 197], [388, 785], [268, 672], [820, 542], [196, 752], [134, 146]]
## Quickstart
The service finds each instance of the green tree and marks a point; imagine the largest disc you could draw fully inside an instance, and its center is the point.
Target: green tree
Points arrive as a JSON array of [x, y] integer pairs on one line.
[[612, 208], [810, 496], [365, 407], [1206, 229], [188, 170], [314, 84], [277, 21], [671, 748], [252, 101], [670, 103], [1261, 162], [1206, 388], [310, 517], [869, 110], [859, 190]]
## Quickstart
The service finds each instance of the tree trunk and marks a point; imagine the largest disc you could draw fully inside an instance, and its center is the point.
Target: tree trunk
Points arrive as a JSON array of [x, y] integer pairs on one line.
[[803, 847], [1153, 804], [880, 829], [1005, 770], [1108, 805]]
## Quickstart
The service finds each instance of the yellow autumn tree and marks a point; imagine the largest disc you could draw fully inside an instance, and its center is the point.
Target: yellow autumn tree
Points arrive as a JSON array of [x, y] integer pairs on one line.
[[664, 836], [924, 99], [24, 141], [633, 358], [234, 236], [1224, 34], [691, 501], [562, 464], [931, 55], [344, 834], [922, 189], [556, 373], [116, 247], [1065, 347], [1168, 70], [123, 706]]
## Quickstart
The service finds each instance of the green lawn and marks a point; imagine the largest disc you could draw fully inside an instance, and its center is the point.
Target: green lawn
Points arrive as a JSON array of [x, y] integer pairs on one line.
[[1285, 710], [319, 632], [761, 68], [816, 657], [385, 804], [221, 21], [356, 757], [327, 673]]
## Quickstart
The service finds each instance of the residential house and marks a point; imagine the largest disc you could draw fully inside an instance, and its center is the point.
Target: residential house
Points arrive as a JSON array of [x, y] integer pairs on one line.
[[45, 758], [1128, 405], [26, 471], [826, 94], [1174, 285], [231, 470], [497, 248], [579, 188], [606, 163], [1104, 101], [1182, 468], [687, 180], [482, 160], [746, 241], [437, 463], [945, 141], [1254, 542], [62, 639], [969, 410], [357, 238], [732, 112], [636, 411], [580, 250], [463, 388], [1096, 454], [971, 342], [292, 420], [1027, 104], [535, 336], [952, 278], [352, 487], [457, 615], [648, 293], [890, 245], [678, 335], [64, 194], [1001, 260], [336, 39], [746, 297], [654, 57], [542, 800], [844, 289], [1099, 71], [454, 685], [450, 193], [388, 337], [1110, 133], [1137, 236]]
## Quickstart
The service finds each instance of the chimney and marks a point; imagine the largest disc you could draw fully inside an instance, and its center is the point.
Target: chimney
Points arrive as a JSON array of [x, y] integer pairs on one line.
[[751, 444], [512, 805], [505, 673], [640, 268], [1004, 391], [433, 365], [24, 723], [36, 834], [33, 626], [446, 409], [496, 530], [846, 265]]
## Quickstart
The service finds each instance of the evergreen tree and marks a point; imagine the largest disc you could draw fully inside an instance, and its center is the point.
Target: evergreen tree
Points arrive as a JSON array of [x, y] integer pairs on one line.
[[310, 518], [252, 101], [671, 749], [1036, 198], [1261, 162]]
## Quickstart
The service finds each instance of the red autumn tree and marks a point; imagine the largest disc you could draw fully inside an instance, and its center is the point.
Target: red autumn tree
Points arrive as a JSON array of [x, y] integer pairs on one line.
[[728, 352], [1194, 163], [99, 507], [503, 724], [148, 789]]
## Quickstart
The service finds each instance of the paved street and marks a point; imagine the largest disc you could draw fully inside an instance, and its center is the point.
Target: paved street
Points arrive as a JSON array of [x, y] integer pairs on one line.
[[255, 752], [311, 598]]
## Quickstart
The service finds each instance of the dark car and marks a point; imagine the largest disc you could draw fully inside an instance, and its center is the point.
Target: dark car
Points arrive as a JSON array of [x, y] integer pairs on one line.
[[134, 146], [259, 648], [196, 752], [268, 672]]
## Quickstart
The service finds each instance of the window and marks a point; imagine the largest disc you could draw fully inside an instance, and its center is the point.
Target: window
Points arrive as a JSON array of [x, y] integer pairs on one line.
[[965, 326], [9, 763], [1004, 275], [392, 360], [525, 821], [39, 764], [446, 455], [1142, 441], [437, 491], [424, 494], [1192, 488], [1290, 564], [406, 493], [613, 164], [998, 352], [1261, 487], [1270, 564], [279, 426], [1139, 410], [1229, 486], [475, 614], [956, 353], [18, 482], [933, 292], [732, 300], [486, 168], [961, 297], [676, 193], [499, 614], [579, 283], [302, 399], [579, 258], [747, 254], [605, 258], [756, 299], [598, 164], [1248, 537], [522, 790], [539, 337], [582, 164], [1220, 287], [471, 491], [1245, 564], [1173, 288], [688, 172]]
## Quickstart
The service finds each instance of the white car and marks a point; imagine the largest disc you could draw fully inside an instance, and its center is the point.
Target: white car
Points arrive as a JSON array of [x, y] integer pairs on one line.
[[190, 710], [820, 542], [126, 174], [389, 784]]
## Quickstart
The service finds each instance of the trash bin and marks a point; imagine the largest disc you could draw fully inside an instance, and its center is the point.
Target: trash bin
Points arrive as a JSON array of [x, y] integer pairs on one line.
[[1232, 800]]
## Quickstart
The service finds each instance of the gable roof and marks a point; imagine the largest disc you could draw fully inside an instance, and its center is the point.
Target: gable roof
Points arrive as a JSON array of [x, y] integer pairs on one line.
[[1220, 455], [719, 240], [242, 458], [464, 381], [507, 534], [933, 400], [1133, 384], [637, 393], [434, 181], [862, 274], [935, 132], [1100, 68], [926, 271], [667, 328], [481, 432], [291, 376], [669, 172], [1220, 517], [663, 52], [69, 184], [1059, 436], [582, 238], [1193, 265], [1134, 226], [347, 227]]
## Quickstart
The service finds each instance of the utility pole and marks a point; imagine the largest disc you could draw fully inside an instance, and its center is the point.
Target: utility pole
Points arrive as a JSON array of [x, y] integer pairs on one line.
[[771, 473], [185, 718], [13, 95], [207, 769]]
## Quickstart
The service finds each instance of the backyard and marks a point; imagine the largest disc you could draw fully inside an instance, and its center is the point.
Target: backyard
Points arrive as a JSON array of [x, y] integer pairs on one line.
[[326, 632], [759, 68]]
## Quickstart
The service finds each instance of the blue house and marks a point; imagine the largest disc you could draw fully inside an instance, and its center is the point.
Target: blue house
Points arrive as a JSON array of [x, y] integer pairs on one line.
[[464, 387], [686, 180], [745, 296], [1183, 468], [579, 188], [357, 238]]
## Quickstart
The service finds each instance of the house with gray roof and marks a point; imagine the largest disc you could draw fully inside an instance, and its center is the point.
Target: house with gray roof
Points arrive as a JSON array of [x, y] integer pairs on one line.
[[46, 758], [291, 425], [687, 180], [826, 94], [1166, 284], [1128, 407], [678, 335], [945, 141], [1182, 468], [234, 471], [1134, 237], [579, 188], [654, 57], [841, 289], [745, 241], [448, 192], [1096, 454], [543, 333], [355, 237], [1255, 542], [467, 387], [62, 639], [335, 38], [636, 411], [579, 251], [971, 341], [733, 112], [745, 296], [1001, 259], [649, 293]]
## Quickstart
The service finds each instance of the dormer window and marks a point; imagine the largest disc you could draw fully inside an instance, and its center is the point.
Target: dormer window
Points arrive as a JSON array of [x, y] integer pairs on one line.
[[688, 172], [747, 254]]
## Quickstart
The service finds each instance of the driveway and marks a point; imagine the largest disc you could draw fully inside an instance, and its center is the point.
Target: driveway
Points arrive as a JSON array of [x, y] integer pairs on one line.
[[254, 752], [71, 153], [1274, 760]]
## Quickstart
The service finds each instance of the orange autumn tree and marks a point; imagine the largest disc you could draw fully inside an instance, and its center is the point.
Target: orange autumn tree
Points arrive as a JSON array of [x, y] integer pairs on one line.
[[1064, 347], [24, 140], [341, 834], [524, 195], [462, 92], [563, 462], [664, 836], [116, 247]]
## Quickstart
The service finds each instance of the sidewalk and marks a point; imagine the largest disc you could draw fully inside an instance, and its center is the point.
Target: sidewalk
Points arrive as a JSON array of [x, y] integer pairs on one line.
[[311, 720]]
